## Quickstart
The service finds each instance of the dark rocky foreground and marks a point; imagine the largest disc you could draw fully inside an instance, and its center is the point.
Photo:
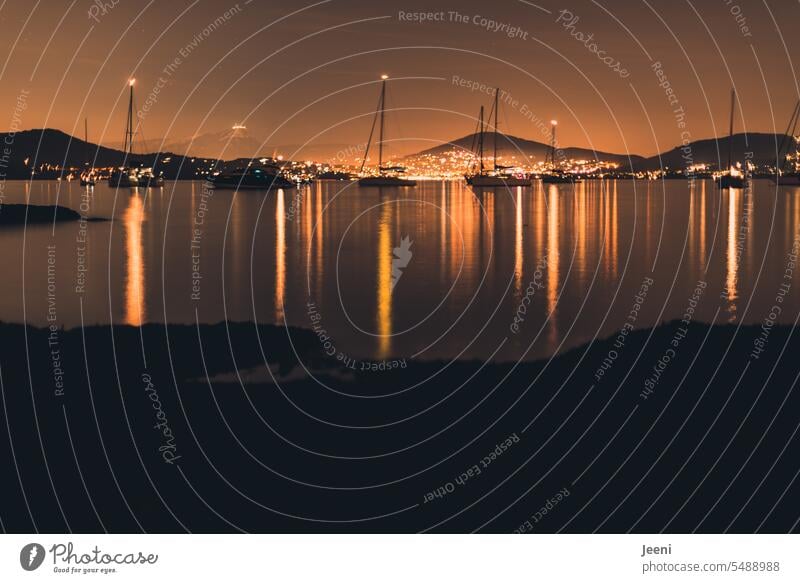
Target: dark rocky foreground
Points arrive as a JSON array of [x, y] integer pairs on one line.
[[98, 439], [22, 214]]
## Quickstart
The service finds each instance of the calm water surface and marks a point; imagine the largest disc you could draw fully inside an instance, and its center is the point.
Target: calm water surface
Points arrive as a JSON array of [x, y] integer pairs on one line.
[[567, 261]]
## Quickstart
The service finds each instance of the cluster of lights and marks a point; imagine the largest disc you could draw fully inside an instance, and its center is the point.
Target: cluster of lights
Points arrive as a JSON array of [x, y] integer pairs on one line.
[[455, 163]]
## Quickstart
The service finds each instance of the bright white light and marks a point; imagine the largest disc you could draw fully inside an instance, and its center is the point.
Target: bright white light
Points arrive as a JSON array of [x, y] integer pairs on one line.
[[131, 82], [384, 77]]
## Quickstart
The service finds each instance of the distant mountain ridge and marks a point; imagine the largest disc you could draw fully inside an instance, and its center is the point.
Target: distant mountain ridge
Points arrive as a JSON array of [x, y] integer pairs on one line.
[[706, 151], [32, 149], [764, 148], [56, 148], [49, 146], [509, 146]]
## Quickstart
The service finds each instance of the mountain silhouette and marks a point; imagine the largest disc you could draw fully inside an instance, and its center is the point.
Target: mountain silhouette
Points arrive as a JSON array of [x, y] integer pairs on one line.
[[42, 150], [712, 151], [45, 149], [522, 150]]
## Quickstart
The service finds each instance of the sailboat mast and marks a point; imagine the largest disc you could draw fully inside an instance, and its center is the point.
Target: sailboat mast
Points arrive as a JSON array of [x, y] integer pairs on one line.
[[383, 111], [552, 153], [496, 103], [730, 130], [480, 142], [86, 140], [129, 129]]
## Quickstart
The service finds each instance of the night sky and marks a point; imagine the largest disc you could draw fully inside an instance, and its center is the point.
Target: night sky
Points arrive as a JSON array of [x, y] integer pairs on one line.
[[305, 72]]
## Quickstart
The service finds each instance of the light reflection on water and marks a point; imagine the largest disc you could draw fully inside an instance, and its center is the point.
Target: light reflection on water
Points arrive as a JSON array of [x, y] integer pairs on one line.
[[135, 307], [280, 257], [384, 285], [474, 255]]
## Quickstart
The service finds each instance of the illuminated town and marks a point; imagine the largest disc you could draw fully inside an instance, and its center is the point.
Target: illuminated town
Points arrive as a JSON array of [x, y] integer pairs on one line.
[[451, 163]]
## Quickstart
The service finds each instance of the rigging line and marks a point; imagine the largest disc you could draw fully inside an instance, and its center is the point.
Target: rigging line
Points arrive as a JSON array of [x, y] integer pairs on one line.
[[371, 132], [473, 146], [785, 139]]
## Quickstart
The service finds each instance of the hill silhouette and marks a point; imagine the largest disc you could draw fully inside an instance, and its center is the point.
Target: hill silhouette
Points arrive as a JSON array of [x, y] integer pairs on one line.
[[39, 149], [521, 149], [710, 151], [54, 148]]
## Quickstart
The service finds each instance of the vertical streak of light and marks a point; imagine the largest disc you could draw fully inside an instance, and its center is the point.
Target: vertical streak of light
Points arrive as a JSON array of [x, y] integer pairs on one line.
[[307, 226], [540, 214], [649, 221], [236, 254], [552, 260], [747, 223], [444, 249], [607, 247], [795, 226], [384, 312], [280, 257], [476, 226], [318, 245], [732, 260], [788, 217], [615, 235], [518, 253], [692, 226], [703, 223], [135, 309], [488, 242], [582, 226], [455, 233]]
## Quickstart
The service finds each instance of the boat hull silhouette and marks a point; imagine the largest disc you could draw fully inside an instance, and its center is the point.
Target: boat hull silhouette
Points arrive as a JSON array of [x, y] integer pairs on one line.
[[729, 181], [557, 179], [123, 179], [386, 181], [488, 181], [250, 181]]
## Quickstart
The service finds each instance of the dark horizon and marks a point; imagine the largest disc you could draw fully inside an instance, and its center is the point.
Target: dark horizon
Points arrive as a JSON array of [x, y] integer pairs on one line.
[[759, 143]]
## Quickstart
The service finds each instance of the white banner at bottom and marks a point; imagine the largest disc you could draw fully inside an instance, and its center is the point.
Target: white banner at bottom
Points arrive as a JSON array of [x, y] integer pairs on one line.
[[400, 558]]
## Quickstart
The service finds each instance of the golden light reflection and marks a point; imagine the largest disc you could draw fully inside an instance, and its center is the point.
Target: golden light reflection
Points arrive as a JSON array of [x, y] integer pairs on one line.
[[318, 234], [607, 247], [692, 227], [614, 234], [553, 257], [237, 255], [472, 213], [306, 229], [135, 309], [443, 225], [280, 257], [649, 220], [540, 215], [703, 222], [385, 254], [749, 226], [795, 225], [518, 253], [581, 227], [455, 233], [732, 257]]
